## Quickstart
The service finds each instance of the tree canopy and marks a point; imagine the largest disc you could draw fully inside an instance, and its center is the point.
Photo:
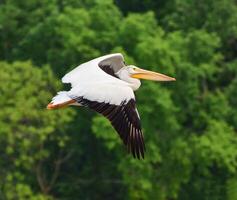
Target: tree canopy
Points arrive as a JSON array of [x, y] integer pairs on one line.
[[190, 125]]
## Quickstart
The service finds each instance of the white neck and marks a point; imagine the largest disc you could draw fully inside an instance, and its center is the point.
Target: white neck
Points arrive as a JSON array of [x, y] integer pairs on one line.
[[133, 82]]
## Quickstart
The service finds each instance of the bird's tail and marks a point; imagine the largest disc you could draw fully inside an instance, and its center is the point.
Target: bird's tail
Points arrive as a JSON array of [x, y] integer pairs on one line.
[[60, 100]]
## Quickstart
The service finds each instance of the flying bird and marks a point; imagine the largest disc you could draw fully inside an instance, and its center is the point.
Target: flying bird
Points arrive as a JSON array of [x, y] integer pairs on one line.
[[106, 85]]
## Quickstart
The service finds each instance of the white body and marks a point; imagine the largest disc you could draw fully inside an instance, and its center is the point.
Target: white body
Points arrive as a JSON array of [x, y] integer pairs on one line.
[[91, 82]]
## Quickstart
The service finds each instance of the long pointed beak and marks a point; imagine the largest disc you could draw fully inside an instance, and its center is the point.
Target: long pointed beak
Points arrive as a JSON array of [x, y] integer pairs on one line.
[[149, 75]]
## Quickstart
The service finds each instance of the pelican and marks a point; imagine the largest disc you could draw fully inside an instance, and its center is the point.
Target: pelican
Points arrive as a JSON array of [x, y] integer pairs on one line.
[[106, 85]]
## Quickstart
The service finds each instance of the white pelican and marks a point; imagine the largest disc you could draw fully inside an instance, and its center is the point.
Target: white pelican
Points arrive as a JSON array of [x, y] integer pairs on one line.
[[106, 85]]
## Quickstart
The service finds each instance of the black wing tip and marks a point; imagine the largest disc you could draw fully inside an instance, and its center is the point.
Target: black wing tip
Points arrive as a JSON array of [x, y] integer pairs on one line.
[[138, 145], [136, 149], [137, 155]]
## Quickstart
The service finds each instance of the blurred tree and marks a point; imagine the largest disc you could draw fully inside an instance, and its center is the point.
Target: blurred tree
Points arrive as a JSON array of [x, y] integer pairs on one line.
[[29, 136], [17, 18], [189, 126]]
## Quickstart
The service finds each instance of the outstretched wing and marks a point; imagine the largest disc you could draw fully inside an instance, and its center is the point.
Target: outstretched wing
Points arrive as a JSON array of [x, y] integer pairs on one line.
[[118, 105], [112, 64], [97, 69], [124, 119]]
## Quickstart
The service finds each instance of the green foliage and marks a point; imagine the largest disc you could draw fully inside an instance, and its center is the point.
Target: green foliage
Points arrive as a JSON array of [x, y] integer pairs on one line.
[[189, 125], [27, 129]]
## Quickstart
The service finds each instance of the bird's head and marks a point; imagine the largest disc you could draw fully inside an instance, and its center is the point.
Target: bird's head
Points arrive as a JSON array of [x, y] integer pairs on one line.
[[138, 73], [133, 74]]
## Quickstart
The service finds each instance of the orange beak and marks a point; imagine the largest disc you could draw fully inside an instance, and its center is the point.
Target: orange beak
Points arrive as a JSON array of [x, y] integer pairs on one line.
[[149, 75]]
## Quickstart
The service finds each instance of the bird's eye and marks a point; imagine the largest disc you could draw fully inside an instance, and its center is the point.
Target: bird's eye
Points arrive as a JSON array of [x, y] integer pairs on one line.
[[134, 68]]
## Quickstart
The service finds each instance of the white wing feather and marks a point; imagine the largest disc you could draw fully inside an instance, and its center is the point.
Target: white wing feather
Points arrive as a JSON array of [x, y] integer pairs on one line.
[[89, 71], [89, 81], [60, 98], [103, 92]]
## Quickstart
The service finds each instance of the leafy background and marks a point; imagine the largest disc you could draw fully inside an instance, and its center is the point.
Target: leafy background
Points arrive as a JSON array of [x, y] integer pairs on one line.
[[190, 126]]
